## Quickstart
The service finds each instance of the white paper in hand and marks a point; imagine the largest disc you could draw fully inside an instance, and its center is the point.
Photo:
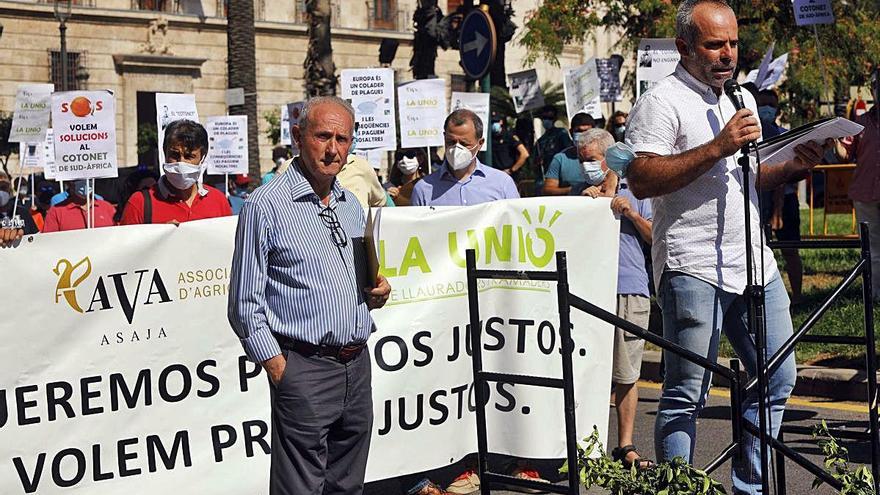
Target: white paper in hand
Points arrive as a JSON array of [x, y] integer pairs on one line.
[[781, 148]]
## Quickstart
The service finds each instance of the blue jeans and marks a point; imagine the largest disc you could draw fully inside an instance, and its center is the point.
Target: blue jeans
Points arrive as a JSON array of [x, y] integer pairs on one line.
[[694, 315]]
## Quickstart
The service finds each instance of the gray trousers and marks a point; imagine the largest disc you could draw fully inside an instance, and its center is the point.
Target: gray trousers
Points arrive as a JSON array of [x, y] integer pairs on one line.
[[322, 419]]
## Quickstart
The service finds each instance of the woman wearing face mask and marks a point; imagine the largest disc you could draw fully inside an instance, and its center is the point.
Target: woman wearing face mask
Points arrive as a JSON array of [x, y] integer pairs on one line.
[[179, 196], [409, 166]]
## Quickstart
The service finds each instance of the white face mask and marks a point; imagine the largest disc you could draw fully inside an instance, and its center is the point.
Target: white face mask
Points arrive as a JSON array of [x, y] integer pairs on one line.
[[408, 165], [4, 198], [593, 172], [182, 175], [459, 156]]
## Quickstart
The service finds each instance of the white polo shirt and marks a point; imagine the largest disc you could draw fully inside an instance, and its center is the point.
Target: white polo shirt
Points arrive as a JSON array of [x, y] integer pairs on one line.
[[699, 229]]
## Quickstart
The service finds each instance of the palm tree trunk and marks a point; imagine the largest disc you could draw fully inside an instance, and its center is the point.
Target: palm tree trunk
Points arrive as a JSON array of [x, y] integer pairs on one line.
[[320, 77], [242, 71]]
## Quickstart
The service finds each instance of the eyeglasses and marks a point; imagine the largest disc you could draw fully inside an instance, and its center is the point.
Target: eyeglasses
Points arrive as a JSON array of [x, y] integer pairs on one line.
[[331, 221]]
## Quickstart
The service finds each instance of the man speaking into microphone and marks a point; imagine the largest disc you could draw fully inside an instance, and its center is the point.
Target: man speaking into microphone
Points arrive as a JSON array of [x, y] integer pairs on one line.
[[687, 135]]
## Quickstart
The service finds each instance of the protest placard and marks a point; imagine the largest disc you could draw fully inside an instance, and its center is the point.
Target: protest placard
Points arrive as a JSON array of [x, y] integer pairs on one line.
[[227, 144], [422, 112], [609, 78], [582, 86], [809, 12], [31, 156], [285, 126], [525, 89], [49, 155], [769, 73], [171, 107], [84, 135], [657, 58], [292, 112], [477, 103], [30, 118], [371, 92]]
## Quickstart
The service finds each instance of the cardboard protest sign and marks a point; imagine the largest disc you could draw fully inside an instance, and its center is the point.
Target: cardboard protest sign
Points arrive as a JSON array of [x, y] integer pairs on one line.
[[30, 118], [84, 124], [525, 89], [657, 58], [171, 107], [227, 144], [582, 86], [422, 112], [371, 92], [292, 112], [809, 12]]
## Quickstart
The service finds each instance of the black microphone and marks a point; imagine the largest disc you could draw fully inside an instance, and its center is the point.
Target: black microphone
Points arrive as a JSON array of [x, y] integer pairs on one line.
[[733, 91]]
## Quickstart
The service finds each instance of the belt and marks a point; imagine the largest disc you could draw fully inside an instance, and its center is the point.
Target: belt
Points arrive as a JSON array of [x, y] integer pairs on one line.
[[341, 353]]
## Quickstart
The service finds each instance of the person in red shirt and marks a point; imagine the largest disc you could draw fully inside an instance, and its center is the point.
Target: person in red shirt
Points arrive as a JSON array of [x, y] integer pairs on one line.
[[179, 195], [71, 214]]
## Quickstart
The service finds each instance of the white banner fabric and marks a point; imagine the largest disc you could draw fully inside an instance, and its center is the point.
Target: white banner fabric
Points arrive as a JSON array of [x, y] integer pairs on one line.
[[30, 118], [227, 140], [171, 107], [477, 103], [122, 375], [84, 124], [371, 92], [422, 112], [657, 58]]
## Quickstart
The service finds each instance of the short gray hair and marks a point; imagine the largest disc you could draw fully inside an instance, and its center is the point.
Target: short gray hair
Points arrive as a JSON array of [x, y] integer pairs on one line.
[[316, 101], [601, 137], [685, 27], [461, 116]]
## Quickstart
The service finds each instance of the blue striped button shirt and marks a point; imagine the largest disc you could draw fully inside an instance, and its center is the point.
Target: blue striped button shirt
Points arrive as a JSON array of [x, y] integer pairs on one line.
[[288, 275]]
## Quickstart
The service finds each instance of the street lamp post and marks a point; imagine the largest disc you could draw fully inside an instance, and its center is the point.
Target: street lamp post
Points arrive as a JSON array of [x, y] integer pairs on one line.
[[62, 13]]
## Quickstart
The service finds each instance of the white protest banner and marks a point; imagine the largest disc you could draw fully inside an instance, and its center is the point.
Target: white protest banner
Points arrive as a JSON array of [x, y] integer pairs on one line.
[[30, 118], [293, 112], [84, 138], [582, 89], [285, 126], [228, 148], [808, 12], [171, 107], [525, 89], [477, 103], [767, 76], [48, 146], [422, 112], [371, 92], [135, 383], [657, 58]]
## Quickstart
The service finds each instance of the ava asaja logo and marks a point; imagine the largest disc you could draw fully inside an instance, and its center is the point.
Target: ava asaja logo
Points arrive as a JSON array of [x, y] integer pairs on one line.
[[128, 289]]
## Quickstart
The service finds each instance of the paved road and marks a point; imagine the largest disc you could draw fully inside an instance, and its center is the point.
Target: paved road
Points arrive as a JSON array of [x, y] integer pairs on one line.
[[713, 433]]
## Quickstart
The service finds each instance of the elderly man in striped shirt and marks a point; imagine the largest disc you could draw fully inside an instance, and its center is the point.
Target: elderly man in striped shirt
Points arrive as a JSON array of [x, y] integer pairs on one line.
[[300, 302]]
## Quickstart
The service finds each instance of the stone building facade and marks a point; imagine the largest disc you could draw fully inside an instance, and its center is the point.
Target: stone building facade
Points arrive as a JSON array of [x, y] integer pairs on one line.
[[139, 47]]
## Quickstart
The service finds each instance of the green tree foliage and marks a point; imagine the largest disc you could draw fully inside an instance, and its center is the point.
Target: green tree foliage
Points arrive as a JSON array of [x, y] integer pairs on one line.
[[850, 47]]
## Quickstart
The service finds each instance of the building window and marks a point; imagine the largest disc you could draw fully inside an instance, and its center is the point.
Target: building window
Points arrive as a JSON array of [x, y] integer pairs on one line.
[[156, 5], [385, 14], [74, 61]]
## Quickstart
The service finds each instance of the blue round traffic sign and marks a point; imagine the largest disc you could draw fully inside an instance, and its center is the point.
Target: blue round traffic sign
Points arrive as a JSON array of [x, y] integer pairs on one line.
[[477, 43]]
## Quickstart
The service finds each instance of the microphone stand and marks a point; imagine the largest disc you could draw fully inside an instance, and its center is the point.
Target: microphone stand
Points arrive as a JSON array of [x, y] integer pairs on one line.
[[755, 304]]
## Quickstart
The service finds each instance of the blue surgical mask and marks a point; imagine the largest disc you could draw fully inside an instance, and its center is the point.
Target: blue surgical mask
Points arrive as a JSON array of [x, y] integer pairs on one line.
[[767, 113], [496, 127], [618, 157], [4, 198], [548, 124], [593, 172]]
